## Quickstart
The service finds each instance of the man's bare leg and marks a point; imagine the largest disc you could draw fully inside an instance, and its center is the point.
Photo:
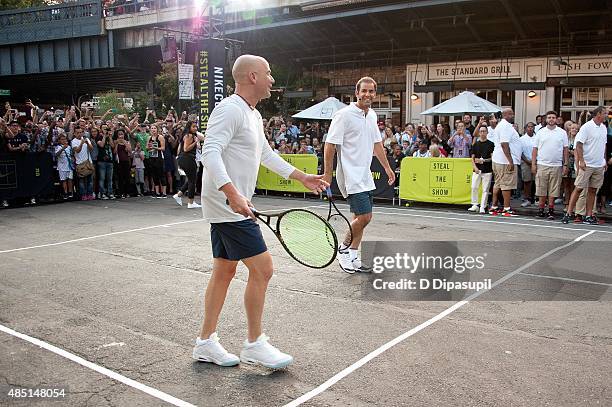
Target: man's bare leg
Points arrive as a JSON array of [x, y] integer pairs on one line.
[[222, 273], [260, 271], [358, 225], [590, 201], [506, 194]]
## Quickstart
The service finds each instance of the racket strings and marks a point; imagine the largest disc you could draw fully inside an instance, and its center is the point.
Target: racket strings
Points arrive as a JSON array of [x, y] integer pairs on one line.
[[308, 238], [342, 229]]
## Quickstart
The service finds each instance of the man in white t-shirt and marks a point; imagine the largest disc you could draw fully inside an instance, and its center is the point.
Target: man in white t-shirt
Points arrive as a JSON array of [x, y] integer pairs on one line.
[[228, 183], [82, 146], [506, 158], [526, 175], [549, 163], [590, 157], [354, 136], [539, 124]]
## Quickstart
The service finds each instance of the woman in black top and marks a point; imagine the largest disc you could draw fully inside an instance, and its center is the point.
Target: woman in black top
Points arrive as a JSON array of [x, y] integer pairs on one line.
[[482, 169], [156, 147], [188, 144]]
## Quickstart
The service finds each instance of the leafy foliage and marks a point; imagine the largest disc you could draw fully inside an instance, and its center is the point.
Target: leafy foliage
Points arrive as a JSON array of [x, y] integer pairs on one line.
[[21, 4], [111, 100], [167, 83]]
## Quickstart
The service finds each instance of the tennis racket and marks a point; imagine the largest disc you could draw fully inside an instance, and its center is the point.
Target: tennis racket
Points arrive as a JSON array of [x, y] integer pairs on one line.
[[308, 238], [339, 222]]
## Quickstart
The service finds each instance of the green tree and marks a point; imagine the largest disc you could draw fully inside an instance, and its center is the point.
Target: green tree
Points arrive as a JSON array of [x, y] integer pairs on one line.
[[111, 100], [167, 83], [21, 4]]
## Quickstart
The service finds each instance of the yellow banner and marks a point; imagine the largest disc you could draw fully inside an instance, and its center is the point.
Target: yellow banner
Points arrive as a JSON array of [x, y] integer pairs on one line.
[[444, 180], [266, 179]]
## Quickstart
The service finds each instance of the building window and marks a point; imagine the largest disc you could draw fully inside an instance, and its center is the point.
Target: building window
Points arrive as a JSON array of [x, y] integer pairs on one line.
[[607, 99], [507, 98], [574, 101], [566, 97]]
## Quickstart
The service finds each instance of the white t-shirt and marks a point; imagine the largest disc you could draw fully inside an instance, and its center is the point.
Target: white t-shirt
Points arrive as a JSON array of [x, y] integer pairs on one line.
[[505, 133], [354, 134], [64, 160], [527, 145], [234, 147], [537, 128], [491, 133], [82, 155], [550, 145], [593, 139], [418, 154]]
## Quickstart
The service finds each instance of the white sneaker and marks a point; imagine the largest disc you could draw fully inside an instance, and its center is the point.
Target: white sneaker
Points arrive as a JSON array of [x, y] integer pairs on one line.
[[345, 262], [33, 201], [525, 203], [482, 210], [178, 199], [473, 208], [193, 205], [210, 350], [359, 267], [261, 352], [342, 248]]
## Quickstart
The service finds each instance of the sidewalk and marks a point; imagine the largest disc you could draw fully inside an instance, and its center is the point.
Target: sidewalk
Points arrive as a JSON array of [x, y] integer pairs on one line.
[[531, 210]]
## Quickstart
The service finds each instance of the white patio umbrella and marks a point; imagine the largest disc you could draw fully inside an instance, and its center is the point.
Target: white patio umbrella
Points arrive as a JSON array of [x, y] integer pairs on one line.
[[465, 102], [321, 111]]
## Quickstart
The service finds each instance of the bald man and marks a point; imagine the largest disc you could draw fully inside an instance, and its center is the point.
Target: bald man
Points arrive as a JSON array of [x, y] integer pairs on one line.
[[506, 158], [234, 148]]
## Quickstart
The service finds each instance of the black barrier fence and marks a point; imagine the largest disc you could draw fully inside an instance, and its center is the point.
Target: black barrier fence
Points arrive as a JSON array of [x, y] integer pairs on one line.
[[24, 175], [381, 181]]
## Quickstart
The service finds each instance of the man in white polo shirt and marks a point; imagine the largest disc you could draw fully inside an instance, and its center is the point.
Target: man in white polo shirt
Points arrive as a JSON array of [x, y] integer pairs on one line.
[[526, 175], [506, 158], [549, 161], [354, 136], [234, 147], [590, 156]]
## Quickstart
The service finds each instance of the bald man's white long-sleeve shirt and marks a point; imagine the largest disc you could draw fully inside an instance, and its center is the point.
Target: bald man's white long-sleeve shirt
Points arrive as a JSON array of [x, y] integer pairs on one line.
[[234, 147]]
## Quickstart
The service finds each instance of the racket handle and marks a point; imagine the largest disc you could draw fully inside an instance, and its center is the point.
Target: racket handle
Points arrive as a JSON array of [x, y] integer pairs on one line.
[[329, 192], [255, 211]]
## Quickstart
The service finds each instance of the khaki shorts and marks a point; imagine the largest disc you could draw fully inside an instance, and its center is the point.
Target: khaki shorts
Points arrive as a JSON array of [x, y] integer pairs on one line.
[[526, 174], [504, 179], [591, 177], [548, 181]]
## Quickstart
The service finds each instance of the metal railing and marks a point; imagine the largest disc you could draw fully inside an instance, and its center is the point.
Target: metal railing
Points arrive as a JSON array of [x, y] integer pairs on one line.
[[69, 20], [60, 12], [122, 7]]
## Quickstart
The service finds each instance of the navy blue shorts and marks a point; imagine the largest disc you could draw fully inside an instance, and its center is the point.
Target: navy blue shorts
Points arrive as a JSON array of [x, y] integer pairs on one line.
[[236, 240], [361, 202]]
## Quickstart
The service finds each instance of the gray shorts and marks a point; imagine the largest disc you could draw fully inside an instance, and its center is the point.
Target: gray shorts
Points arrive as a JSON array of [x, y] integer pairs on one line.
[[361, 202]]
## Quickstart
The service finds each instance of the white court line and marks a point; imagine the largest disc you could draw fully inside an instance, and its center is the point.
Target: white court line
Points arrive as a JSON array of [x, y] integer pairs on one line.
[[98, 236], [468, 219], [573, 280], [19, 249], [106, 372], [341, 375]]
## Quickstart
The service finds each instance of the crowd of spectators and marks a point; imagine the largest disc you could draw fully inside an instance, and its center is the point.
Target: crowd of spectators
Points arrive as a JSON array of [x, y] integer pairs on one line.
[[100, 157], [135, 156]]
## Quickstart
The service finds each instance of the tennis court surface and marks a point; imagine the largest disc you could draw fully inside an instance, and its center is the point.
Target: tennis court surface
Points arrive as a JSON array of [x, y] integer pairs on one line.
[[104, 299]]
